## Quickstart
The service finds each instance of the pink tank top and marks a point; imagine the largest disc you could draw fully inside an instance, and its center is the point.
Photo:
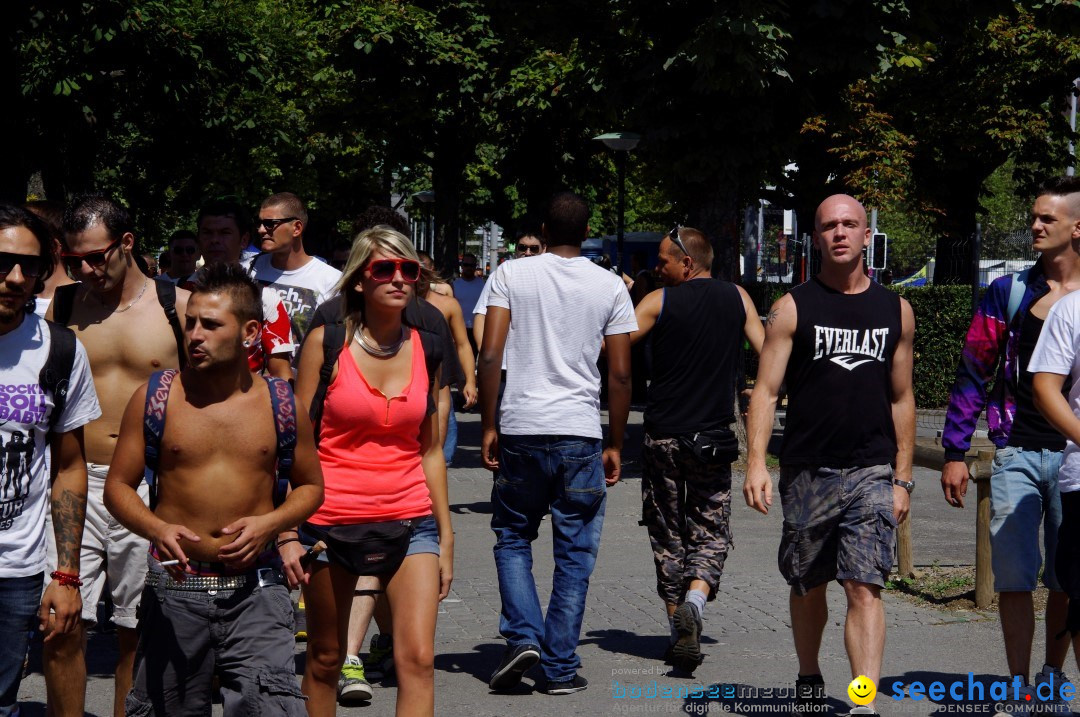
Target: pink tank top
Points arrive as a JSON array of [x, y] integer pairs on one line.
[[370, 447]]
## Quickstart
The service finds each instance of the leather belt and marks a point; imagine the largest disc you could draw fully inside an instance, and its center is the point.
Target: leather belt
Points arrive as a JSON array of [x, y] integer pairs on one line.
[[212, 583]]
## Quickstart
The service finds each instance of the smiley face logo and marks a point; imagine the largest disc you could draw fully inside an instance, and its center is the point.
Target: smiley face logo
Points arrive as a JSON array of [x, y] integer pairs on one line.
[[862, 690]]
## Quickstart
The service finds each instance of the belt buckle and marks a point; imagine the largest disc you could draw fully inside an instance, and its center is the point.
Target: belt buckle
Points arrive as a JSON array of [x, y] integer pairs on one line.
[[266, 576]]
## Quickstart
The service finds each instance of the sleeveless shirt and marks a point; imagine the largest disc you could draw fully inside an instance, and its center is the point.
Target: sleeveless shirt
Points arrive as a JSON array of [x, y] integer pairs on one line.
[[838, 378], [696, 347]]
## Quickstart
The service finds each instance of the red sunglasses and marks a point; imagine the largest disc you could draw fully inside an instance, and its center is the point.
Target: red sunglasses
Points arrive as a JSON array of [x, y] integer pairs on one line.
[[73, 260], [384, 270]]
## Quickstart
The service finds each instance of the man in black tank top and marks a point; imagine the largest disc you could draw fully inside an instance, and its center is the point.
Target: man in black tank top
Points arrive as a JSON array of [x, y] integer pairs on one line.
[[843, 344], [697, 325]]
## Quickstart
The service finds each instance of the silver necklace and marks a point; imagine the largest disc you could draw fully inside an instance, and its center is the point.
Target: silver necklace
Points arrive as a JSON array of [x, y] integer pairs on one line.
[[377, 349], [146, 282]]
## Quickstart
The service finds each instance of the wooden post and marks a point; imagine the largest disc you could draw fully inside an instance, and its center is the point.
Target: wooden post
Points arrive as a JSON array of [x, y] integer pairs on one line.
[[904, 556], [984, 572]]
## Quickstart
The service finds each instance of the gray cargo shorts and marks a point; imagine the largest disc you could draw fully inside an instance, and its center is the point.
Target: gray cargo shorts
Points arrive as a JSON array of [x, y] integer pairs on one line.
[[838, 525], [186, 637]]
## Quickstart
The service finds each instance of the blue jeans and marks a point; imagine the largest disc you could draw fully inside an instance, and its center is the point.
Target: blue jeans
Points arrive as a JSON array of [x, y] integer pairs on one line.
[[449, 446], [20, 598], [537, 473], [1024, 493]]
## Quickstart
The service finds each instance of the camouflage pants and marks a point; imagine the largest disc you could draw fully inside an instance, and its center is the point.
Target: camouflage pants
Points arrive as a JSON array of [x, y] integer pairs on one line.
[[686, 507]]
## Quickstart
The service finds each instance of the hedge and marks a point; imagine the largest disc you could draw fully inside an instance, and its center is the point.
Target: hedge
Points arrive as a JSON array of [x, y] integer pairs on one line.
[[942, 317]]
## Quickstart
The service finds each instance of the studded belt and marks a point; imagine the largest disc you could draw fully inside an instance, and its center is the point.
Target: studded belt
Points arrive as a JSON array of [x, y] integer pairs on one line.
[[212, 583]]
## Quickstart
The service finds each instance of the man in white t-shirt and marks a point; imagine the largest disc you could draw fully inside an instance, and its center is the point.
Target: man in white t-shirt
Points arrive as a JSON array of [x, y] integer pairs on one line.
[[301, 281], [30, 435], [467, 289], [1056, 365], [547, 447]]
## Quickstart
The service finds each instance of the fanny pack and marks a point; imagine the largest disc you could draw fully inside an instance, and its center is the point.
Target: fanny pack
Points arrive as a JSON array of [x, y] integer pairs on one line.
[[367, 548], [719, 446]]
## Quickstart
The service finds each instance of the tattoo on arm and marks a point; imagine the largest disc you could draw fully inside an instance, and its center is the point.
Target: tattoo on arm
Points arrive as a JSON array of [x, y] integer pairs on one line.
[[69, 514], [770, 318]]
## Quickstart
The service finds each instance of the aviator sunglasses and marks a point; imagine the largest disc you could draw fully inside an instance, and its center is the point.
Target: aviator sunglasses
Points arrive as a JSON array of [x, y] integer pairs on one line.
[[73, 260], [32, 266], [383, 270]]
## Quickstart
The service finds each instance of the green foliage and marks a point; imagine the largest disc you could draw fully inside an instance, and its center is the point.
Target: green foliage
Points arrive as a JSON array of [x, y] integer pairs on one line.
[[911, 238], [942, 317]]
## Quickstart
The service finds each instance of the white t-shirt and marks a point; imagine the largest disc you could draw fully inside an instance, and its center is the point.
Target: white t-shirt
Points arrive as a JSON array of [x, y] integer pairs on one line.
[[560, 310], [41, 306], [301, 290], [24, 453], [481, 310], [467, 294], [1058, 351]]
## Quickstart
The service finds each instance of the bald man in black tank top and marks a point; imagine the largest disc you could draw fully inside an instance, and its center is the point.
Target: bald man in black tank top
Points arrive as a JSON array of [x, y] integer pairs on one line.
[[843, 344]]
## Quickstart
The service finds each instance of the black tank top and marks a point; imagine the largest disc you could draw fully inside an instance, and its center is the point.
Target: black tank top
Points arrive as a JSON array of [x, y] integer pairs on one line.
[[838, 378], [696, 345], [1029, 429]]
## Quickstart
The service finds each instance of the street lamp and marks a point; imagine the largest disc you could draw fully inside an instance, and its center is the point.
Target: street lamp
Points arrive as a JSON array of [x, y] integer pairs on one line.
[[426, 198], [622, 143]]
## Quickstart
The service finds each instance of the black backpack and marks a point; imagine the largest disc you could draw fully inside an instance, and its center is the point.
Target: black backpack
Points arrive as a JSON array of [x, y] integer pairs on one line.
[[55, 375], [334, 341], [64, 302]]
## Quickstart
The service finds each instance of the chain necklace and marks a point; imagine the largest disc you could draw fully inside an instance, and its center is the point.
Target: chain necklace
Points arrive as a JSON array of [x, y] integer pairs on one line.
[[376, 349], [146, 282]]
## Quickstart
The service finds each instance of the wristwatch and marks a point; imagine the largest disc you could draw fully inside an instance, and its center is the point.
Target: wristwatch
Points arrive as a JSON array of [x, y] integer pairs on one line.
[[905, 484]]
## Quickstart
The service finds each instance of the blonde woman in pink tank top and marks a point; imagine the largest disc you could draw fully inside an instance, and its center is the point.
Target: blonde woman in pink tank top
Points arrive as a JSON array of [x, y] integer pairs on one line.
[[381, 453]]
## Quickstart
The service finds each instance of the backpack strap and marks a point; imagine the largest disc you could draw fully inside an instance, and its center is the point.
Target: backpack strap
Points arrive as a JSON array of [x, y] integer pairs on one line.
[[157, 399], [284, 405], [166, 296], [1016, 293], [333, 342], [55, 375], [63, 302]]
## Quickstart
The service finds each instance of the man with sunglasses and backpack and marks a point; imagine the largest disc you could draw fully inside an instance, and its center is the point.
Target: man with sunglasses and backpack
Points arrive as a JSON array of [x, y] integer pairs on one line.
[[39, 424], [130, 327], [697, 325]]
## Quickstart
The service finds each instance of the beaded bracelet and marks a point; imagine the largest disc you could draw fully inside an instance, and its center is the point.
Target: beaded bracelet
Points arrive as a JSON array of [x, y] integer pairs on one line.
[[66, 579]]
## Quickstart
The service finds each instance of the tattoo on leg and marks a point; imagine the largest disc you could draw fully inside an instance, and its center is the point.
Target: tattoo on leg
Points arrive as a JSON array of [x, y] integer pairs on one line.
[[69, 515]]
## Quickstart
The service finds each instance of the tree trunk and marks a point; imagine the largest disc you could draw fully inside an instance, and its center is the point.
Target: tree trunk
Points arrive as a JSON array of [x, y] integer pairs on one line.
[[955, 248], [448, 169], [716, 212]]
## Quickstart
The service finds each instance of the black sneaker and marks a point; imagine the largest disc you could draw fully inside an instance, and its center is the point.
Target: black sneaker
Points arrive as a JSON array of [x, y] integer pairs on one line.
[[686, 652], [810, 699], [567, 687], [516, 661]]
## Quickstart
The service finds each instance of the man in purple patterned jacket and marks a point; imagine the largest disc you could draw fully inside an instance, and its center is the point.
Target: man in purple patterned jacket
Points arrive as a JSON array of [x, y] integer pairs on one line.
[[1023, 486]]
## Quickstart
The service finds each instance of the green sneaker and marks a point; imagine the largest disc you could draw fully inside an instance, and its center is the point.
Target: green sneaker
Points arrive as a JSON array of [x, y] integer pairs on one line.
[[352, 687], [379, 662]]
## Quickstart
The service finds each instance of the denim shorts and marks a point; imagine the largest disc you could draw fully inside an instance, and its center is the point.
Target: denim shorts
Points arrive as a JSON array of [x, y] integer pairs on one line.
[[1023, 494], [424, 539], [838, 525]]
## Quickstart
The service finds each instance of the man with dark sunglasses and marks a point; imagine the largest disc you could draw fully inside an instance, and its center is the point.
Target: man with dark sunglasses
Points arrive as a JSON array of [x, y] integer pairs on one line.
[[31, 437], [467, 289], [124, 322], [697, 325], [301, 281], [183, 256]]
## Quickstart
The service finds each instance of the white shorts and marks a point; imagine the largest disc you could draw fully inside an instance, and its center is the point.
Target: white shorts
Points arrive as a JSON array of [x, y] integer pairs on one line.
[[110, 554]]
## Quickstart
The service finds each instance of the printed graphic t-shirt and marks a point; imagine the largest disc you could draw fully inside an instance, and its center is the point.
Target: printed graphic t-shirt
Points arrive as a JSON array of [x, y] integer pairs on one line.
[[24, 454], [300, 290]]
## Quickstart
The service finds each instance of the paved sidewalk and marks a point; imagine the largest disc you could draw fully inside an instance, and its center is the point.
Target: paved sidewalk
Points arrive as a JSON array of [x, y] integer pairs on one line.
[[747, 636]]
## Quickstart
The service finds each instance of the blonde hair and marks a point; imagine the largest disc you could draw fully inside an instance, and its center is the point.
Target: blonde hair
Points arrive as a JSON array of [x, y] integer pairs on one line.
[[364, 246]]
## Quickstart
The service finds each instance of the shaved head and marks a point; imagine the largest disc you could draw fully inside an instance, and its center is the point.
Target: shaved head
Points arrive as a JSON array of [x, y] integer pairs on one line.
[[1066, 187], [834, 202]]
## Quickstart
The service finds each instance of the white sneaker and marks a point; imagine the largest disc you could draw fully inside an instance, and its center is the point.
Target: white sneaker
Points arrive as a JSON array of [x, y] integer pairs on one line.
[[1054, 678]]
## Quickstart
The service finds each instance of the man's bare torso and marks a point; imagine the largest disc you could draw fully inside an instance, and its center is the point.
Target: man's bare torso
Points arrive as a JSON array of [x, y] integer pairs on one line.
[[124, 348], [217, 464]]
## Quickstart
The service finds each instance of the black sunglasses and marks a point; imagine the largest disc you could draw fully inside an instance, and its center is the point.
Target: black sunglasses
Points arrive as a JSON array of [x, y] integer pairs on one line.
[[73, 260], [528, 249], [189, 250], [272, 224], [31, 265], [674, 236]]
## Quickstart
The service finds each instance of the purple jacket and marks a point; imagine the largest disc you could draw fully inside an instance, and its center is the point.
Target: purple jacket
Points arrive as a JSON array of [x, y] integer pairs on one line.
[[989, 356]]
